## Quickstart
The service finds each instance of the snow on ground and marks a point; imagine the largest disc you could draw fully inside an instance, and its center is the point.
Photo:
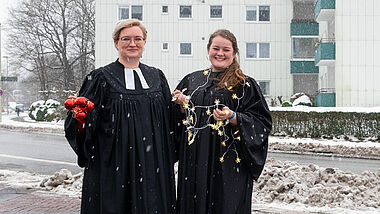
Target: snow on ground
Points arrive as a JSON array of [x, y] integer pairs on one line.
[[328, 109], [284, 187]]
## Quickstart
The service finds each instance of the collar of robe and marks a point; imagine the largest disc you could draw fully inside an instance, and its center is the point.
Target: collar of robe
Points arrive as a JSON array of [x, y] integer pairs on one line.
[[130, 78]]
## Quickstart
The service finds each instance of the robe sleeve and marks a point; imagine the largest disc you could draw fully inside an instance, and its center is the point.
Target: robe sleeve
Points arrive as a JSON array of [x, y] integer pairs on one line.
[[93, 89], [170, 107], [255, 123]]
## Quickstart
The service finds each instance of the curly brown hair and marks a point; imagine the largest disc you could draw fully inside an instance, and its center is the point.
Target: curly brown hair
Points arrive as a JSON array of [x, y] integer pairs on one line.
[[233, 75]]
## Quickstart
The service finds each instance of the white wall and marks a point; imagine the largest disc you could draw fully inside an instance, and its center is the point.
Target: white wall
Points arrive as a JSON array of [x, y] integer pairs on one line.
[[357, 52], [169, 28]]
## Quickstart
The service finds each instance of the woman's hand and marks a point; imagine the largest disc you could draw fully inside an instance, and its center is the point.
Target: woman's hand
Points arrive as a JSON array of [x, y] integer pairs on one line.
[[179, 98], [224, 114]]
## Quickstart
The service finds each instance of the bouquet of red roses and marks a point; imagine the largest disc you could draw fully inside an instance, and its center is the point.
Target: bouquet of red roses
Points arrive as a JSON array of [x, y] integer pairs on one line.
[[80, 106]]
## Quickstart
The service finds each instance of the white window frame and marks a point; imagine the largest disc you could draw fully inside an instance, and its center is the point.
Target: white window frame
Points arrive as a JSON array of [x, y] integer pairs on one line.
[[191, 49], [263, 91], [216, 17], [257, 51], [179, 11], [162, 47], [130, 11], [257, 14], [162, 9]]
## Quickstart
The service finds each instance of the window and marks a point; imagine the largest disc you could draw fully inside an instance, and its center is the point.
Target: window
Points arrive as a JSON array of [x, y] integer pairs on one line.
[[258, 50], [185, 48], [264, 86], [165, 46], [251, 13], [136, 12], [264, 13], [185, 11], [262, 16], [165, 9], [123, 12], [251, 50], [215, 11], [303, 48]]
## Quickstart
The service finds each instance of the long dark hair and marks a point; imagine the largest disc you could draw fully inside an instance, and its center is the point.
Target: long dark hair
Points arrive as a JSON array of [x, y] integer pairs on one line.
[[233, 75]]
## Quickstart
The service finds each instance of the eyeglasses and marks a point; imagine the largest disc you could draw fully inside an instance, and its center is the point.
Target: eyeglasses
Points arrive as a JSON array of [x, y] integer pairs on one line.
[[127, 40]]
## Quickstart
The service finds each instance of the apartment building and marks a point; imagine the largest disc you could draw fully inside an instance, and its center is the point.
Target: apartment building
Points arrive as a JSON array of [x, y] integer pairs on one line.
[[348, 54], [178, 33]]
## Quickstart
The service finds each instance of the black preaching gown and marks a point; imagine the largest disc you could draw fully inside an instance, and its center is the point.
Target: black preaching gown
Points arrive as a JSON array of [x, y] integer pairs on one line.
[[207, 184], [126, 148]]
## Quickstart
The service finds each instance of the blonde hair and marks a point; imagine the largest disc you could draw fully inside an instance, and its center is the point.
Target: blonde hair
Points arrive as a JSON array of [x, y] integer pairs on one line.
[[126, 23], [233, 74]]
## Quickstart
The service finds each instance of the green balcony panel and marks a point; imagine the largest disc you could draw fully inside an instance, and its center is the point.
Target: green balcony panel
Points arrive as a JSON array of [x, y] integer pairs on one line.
[[325, 54], [323, 9], [325, 100], [304, 29], [303, 67]]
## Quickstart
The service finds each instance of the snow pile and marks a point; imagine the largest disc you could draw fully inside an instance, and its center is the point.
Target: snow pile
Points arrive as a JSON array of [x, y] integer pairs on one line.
[[64, 182], [348, 149], [291, 183], [20, 179]]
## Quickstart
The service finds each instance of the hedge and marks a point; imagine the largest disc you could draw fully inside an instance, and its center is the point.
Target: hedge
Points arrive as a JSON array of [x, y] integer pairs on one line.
[[327, 124]]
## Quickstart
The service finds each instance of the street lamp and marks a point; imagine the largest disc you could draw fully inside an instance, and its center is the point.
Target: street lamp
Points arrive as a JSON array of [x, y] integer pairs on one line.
[[6, 88]]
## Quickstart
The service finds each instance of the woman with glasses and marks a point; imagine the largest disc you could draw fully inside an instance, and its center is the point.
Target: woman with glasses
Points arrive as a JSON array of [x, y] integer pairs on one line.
[[126, 144], [224, 135]]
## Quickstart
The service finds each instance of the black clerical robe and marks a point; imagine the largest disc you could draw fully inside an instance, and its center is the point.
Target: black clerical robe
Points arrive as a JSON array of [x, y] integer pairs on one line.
[[126, 147], [216, 175]]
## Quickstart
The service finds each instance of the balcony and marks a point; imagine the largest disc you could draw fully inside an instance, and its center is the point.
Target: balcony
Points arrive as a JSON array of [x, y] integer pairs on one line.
[[326, 99], [324, 10], [303, 67], [304, 29], [325, 54]]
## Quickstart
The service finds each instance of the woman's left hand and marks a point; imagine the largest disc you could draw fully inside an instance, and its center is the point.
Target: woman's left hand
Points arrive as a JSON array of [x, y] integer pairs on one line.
[[224, 114]]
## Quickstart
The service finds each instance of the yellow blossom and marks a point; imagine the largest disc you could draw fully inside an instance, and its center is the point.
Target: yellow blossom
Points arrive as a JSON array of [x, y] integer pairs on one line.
[[223, 143], [234, 96], [230, 88], [221, 159], [247, 83], [185, 105], [220, 133], [205, 72], [191, 119], [238, 138], [191, 141], [185, 122], [220, 123], [217, 101], [236, 132], [237, 160], [189, 136], [193, 109]]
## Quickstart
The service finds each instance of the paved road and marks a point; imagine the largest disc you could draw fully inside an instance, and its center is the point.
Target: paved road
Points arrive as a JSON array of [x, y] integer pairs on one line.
[[41, 153]]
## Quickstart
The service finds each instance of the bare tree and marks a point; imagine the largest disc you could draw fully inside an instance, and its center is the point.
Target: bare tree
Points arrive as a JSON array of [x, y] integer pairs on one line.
[[54, 40]]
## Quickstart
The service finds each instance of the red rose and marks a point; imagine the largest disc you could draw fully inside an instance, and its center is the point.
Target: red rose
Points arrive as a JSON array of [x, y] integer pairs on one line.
[[81, 116], [69, 104], [90, 106], [81, 102]]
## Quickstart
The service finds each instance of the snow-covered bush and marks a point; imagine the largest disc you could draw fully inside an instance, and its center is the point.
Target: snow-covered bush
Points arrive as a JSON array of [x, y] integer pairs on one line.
[[43, 110], [328, 124], [286, 104], [301, 99]]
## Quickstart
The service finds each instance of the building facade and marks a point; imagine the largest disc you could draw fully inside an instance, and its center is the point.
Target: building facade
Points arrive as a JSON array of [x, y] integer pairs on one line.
[[328, 49], [178, 33], [348, 54]]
